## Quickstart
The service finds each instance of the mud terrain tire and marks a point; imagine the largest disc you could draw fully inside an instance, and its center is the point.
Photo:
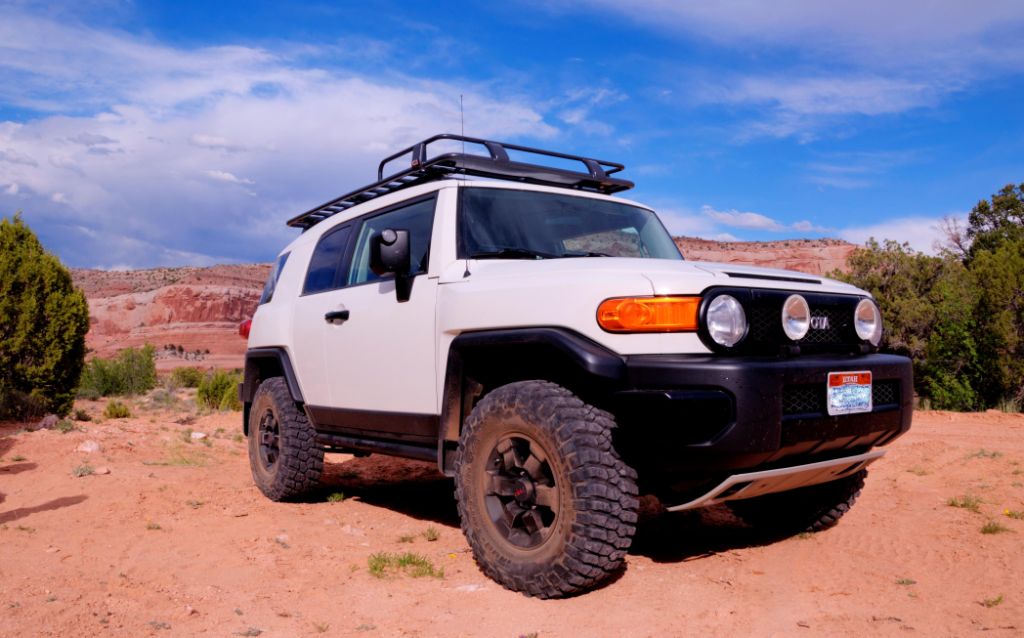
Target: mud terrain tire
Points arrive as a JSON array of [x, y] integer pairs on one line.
[[809, 509], [285, 459], [546, 504]]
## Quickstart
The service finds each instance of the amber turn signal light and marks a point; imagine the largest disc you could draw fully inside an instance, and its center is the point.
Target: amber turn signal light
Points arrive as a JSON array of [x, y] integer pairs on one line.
[[649, 314]]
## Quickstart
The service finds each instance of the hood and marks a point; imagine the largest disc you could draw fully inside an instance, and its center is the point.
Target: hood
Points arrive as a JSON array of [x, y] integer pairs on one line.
[[664, 276]]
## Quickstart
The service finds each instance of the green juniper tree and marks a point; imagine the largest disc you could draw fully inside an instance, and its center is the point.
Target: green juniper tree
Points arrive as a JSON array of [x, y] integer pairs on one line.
[[43, 321]]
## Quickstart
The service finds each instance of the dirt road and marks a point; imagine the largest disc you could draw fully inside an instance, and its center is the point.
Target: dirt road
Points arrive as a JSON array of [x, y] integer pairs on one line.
[[176, 541]]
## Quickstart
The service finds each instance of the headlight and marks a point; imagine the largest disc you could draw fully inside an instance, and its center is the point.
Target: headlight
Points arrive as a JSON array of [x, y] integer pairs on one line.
[[867, 320], [727, 323], [796, 317]]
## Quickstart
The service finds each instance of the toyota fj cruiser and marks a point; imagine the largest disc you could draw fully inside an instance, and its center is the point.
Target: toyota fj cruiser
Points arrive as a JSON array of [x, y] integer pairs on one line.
[[547, 345]]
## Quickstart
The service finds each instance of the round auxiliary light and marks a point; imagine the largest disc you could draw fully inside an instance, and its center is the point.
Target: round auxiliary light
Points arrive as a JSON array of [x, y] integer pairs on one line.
[[796, 317], [867, 320], [727, 323]]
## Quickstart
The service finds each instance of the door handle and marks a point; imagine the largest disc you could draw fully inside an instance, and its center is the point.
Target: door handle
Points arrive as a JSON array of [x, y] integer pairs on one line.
[[336, 316]]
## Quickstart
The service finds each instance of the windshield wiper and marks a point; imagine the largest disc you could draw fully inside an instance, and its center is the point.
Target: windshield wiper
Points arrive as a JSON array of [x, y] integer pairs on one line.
[[585, 254], [513, 253]]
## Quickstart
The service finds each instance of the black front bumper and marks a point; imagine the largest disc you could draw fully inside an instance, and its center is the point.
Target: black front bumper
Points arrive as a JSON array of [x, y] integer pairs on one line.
[[702, 416]]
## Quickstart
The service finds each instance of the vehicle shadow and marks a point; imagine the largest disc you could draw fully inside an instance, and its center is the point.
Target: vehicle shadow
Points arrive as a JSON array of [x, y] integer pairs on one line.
[[672, 537], [414, 488], [57, 503], [417, 489]]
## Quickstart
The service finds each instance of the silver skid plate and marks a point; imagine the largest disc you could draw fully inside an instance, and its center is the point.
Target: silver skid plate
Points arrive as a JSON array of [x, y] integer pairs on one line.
[[754, 484]]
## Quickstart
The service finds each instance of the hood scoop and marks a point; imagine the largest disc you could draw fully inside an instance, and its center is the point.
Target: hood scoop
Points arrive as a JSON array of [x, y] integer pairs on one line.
[[747, 275]]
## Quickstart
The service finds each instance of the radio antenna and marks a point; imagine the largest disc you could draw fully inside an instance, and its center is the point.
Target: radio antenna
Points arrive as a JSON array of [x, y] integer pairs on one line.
[[462, 124]]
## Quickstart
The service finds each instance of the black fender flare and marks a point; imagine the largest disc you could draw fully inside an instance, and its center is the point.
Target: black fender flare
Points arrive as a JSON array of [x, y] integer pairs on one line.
[[473, 353], [262, 363]]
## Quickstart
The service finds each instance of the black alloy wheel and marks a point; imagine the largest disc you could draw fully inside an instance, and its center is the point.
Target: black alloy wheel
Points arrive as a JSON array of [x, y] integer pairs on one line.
[[522, 498]]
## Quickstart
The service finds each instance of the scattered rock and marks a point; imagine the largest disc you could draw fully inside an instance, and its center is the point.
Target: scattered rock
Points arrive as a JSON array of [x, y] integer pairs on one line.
[[470, 588], [88, 447], [354, 531], [48, 422], [190, 611], [103, 469], [198, 436]]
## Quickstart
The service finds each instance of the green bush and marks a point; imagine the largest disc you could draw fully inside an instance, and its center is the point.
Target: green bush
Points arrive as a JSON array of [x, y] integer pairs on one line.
[[958, 316], [116, 410], [187, 377], [132, 371], [43, 321], [219, 391]]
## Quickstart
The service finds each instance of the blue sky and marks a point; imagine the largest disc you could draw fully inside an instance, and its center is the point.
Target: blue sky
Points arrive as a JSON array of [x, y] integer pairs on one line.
[[171, 133]]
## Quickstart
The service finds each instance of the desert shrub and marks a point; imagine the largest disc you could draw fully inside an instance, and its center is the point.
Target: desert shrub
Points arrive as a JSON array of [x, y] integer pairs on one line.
[[43, 321], [116, 410], [187, 377], [132, 371], [219, 391], [82, 415]]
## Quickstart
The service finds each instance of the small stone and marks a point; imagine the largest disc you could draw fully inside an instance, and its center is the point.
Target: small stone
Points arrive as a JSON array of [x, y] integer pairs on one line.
[[52, 550], [190, 611], [103, 469], [469, 588], [198, 436], [88, 447], [48, 422]]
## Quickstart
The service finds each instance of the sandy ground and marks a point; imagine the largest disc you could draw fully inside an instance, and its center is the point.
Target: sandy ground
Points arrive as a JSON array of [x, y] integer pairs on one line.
[[176, 541]]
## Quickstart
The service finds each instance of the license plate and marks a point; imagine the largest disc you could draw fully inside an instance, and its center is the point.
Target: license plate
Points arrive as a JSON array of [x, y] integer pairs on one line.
[[849, 392]]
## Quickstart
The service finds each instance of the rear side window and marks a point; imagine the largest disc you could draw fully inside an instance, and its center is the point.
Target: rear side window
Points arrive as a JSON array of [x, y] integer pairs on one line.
[[275, 274], [325, 266]]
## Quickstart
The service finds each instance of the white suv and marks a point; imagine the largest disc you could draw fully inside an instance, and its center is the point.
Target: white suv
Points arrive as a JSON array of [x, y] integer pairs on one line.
[[548, 346]]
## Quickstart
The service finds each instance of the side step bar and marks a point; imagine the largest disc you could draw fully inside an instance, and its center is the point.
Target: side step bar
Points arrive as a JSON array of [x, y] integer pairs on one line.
[[754, 484]]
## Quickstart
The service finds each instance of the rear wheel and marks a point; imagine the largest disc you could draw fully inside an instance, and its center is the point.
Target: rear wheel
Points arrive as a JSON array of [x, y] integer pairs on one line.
[[808, 509], [285, 459], [546, 504]]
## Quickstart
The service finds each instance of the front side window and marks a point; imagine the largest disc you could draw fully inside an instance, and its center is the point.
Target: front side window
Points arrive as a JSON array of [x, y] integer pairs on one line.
[[500, 223], [417, 218]]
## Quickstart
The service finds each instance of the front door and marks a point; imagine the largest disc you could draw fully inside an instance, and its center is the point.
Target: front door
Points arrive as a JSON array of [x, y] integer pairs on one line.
[[379, 353]]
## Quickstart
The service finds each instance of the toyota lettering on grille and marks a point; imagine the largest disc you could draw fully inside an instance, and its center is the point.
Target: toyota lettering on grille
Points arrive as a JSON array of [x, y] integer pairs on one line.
[[819, 323]]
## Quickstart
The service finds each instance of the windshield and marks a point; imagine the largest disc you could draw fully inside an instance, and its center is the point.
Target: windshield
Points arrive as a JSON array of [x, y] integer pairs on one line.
[[499, 223]]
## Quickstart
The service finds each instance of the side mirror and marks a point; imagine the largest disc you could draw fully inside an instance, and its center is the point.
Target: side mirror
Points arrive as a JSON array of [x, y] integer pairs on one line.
[[389, 253]]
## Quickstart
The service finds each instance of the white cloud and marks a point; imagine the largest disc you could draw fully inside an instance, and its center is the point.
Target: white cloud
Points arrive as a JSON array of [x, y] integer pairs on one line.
[[171, 125], [12, 156], [213, 142], [922, 233], [738, 219], [224, 176], [874, 32], [840, 60], [11, 189], [680, 221]]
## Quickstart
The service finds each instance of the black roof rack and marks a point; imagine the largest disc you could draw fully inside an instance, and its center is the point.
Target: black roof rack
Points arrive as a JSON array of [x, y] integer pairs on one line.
[[497, 165]]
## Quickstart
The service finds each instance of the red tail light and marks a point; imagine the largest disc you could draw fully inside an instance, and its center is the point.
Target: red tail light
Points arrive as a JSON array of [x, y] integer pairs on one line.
[[244, 327]]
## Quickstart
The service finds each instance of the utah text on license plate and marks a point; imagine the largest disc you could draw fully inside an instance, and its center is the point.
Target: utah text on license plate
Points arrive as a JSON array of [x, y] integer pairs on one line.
[[849, 392]]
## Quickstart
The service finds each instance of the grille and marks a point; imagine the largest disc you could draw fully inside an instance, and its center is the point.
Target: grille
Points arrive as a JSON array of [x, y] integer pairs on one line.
[[885, 393], [764, 314], [810, 399], [803, 399]]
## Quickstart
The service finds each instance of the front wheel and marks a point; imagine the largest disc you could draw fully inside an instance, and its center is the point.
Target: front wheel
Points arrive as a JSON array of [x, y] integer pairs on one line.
[[285, 459], [546, 504]]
